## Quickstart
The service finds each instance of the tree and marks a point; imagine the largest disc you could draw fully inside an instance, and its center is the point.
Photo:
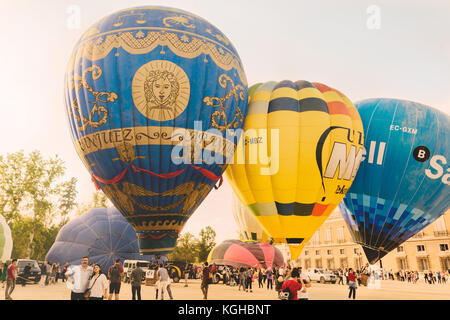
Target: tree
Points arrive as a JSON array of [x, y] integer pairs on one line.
[[99, 200], [35, 201], [186, 249], [206, 243]]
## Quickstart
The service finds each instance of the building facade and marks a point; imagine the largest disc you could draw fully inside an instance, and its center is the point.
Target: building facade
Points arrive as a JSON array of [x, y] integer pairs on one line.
[[332, 247]]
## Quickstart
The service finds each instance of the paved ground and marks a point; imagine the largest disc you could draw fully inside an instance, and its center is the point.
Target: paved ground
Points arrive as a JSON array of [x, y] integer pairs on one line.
[[389, 290]]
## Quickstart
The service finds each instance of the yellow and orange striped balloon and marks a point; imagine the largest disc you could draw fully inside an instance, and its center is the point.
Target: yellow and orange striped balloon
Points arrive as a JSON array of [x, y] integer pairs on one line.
[[300, 151]]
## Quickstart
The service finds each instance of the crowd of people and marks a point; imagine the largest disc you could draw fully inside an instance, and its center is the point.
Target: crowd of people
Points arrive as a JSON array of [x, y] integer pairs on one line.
[[89, 282]]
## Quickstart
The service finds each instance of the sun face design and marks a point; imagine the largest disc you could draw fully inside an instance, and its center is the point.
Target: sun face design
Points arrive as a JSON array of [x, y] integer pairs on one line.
[[161, 90]]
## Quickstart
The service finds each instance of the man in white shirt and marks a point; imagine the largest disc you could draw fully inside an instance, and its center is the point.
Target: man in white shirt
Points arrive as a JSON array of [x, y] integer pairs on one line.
[[304, 295], [79, 279]]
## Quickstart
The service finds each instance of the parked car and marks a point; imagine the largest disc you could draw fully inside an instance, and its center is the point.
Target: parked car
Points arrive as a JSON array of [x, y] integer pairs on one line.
[[320, 275], [130, 265], [35, 271]]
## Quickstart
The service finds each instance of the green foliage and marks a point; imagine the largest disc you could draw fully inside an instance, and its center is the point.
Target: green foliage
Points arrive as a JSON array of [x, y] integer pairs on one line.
[[207, 243], [35, 200], [190, 249], [186, 249]]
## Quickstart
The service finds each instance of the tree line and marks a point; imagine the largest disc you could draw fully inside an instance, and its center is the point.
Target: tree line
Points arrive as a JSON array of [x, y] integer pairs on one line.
[[37, 200]]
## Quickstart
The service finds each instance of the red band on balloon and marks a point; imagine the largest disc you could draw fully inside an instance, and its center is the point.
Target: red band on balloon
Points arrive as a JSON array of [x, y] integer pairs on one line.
[[210, 175], [149, 235]]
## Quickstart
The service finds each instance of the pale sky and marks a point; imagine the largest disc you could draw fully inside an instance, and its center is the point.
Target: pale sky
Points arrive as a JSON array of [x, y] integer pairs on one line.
[[406, 55]]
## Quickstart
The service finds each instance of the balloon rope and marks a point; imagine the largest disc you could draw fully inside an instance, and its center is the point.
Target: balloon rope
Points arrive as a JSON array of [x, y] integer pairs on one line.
[[210, 175]]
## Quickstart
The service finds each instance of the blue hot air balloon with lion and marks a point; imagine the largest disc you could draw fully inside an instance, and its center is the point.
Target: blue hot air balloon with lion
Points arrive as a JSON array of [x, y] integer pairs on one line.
[[155, 98]]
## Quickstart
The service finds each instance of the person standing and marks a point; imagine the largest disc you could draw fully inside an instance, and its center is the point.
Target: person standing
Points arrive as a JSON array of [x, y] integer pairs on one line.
[[241, 279], [48, 272], [269, 276], [303, 294], [186, 275], [341, 277], [293, 285], [260, 278], [98, 285], [80, 276], [136, 281], [162, 276], [351, 283], [206, 275], [115, 274], [43, 272], [249, 280], [4, 270], [11, 276], [26, 274]]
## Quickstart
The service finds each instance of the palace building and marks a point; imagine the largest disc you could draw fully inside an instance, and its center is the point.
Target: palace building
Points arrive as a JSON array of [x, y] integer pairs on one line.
[[332, 247]]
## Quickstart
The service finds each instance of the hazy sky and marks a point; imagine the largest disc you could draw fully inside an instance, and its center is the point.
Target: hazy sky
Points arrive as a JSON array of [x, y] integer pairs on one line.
[[402, 52]]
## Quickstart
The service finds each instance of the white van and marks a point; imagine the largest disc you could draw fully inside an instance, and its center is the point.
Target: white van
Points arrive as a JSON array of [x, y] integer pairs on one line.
[[130, 265]]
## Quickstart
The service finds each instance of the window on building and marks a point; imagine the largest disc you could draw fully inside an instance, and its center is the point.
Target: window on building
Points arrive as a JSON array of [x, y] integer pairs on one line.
[[400, 249], [356, 251], [318, 263], [402, 263], [422, 263], [343, 263], [254, 236], [445, 263], [307, 264], [443, 247], [341, 251], [440, 229], [328, 235], [329, 252], [306, 252], [315, 238], [330, 264], [420, 248], [317, 252], [340, 234]]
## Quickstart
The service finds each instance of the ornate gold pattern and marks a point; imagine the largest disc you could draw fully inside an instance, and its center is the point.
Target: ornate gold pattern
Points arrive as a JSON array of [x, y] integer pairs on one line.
[[161, 90], [219, 37], [139, 20], [108, 139], [181, 19], [220, 115], [99, 110], [126, 197], [127, 40]]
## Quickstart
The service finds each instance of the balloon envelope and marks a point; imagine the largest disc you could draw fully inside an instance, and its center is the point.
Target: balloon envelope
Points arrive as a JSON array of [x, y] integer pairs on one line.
[[302, 149], [249, 227], [253, 254], [102, 234], [403, 184], [153, 95], [6, 242]]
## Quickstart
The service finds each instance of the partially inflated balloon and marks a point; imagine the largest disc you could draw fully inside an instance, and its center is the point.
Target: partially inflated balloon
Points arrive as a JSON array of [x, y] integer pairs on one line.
[[6, 243], [253, 254], [142, 88], [101, 234], [249, 227], [303, 145], [403, 184]]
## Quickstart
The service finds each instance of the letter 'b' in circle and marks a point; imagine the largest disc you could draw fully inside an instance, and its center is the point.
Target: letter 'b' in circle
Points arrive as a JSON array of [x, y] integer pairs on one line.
[[421, 153]]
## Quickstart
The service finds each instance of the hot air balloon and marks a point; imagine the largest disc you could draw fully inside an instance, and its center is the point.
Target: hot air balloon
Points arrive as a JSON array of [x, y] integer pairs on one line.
[[249, 227], [246, 254], [102, 234], [6, 242], [301, 150], [403, 184], [154, 98]]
